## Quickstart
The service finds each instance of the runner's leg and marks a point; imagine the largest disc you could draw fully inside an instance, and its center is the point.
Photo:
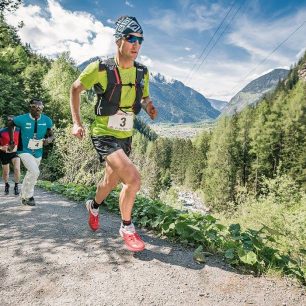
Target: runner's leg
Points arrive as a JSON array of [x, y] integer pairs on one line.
[[107, 184], [104, 187], [16, 164], [128, 174], [5, 175], [130, 177], [32, 165], [5, 172]]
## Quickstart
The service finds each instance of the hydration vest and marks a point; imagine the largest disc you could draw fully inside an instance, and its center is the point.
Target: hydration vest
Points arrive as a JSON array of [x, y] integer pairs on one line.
[[108, 102]]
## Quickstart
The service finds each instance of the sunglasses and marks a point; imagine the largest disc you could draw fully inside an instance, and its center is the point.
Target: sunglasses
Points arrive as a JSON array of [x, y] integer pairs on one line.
[[132, 39], [37, 106]]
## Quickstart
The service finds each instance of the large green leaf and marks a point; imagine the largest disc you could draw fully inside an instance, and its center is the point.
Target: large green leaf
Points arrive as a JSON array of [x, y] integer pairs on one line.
[[249, 258], [194, 227]]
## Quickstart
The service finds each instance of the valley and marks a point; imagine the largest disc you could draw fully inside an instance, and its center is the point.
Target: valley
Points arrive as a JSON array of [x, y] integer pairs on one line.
[[181, 130]]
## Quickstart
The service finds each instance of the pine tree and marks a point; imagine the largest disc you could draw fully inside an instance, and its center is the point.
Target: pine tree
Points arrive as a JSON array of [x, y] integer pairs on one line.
[[293, 157], [180, 156], [243, 137], [151, 173], [220, 175], [198, 163]]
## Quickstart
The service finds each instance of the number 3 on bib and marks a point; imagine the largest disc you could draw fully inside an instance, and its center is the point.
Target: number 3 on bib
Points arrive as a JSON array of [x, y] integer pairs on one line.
[[121, 121]]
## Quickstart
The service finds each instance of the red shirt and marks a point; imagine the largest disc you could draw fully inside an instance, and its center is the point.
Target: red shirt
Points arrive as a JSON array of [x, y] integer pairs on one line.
[[5, 137]]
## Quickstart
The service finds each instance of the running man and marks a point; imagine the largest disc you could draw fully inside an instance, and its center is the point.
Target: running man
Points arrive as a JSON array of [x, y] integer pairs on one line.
[[9, 157], [36, 132], [122, 87]]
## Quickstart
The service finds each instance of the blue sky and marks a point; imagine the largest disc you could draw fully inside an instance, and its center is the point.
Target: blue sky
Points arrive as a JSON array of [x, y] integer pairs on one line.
[[176, 34]]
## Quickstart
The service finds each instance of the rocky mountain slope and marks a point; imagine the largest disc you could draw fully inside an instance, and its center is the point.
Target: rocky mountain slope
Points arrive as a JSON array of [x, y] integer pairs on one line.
[[255, 90], [217, 104], [178, 103]]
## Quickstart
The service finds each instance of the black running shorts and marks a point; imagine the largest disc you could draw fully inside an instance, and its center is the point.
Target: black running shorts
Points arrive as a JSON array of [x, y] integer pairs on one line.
[[105, 145], [7, 157]]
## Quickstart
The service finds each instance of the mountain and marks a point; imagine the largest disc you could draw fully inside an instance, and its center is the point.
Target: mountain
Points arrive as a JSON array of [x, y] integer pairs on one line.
[[255, 90], [83, 65], [175, 102], [217, 104], [178, 103]]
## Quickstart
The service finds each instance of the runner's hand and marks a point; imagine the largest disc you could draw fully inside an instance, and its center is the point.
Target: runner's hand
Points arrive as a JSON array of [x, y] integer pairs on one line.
[[78, 131], [47, 141], [4, 148], [11, 147], [151, 110]]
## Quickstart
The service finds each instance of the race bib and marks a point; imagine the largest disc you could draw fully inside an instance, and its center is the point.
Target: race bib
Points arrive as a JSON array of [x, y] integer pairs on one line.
[[121, 121], [35, 144]]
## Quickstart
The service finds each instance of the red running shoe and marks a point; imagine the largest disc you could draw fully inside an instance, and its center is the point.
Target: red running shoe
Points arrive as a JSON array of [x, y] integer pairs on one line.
[[93, 219], [132, 240]]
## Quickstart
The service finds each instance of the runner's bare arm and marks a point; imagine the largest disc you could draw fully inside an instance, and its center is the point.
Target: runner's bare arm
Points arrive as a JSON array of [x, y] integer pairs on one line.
[[148, 106], [75, 91], [11, 125]]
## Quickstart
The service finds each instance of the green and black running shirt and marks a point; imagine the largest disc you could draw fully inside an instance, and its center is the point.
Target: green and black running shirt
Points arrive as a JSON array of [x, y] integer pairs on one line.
[[91, 75]]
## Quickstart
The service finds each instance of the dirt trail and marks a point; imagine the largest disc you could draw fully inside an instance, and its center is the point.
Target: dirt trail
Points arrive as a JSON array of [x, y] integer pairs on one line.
[[48, 256]]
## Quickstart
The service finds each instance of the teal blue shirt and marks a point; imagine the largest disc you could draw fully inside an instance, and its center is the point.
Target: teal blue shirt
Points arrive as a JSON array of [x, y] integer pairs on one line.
[[26, 123]]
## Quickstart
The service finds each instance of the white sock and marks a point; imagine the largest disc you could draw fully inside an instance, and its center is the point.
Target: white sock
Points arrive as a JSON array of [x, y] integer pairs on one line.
[[94, 211], [128, 228]]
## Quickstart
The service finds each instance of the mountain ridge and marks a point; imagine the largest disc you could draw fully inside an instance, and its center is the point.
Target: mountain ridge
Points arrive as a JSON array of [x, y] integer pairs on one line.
[[255, 90], [217, 104]]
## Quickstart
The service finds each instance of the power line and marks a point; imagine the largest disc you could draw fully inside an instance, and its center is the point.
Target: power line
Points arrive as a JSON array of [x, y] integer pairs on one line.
[[231, 20], [211, 39], [273, 51]]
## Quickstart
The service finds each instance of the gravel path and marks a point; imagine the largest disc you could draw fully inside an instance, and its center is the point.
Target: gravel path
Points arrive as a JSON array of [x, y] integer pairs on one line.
[[48, 256]]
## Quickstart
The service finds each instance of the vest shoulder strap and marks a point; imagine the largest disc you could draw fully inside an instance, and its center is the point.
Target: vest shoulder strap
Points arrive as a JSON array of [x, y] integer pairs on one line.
[[141, 70], [107, 64]]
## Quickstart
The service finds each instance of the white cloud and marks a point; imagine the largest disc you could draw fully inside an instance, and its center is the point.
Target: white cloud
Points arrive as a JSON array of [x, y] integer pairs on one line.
[[192, 56], [187, 49], [129, 4], [53, 30], [213, 82], [259, 39], [146, 61], [196, 17]]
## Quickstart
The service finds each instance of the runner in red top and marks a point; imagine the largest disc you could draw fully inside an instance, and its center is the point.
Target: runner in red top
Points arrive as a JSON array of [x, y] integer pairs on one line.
[[9, 157]]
